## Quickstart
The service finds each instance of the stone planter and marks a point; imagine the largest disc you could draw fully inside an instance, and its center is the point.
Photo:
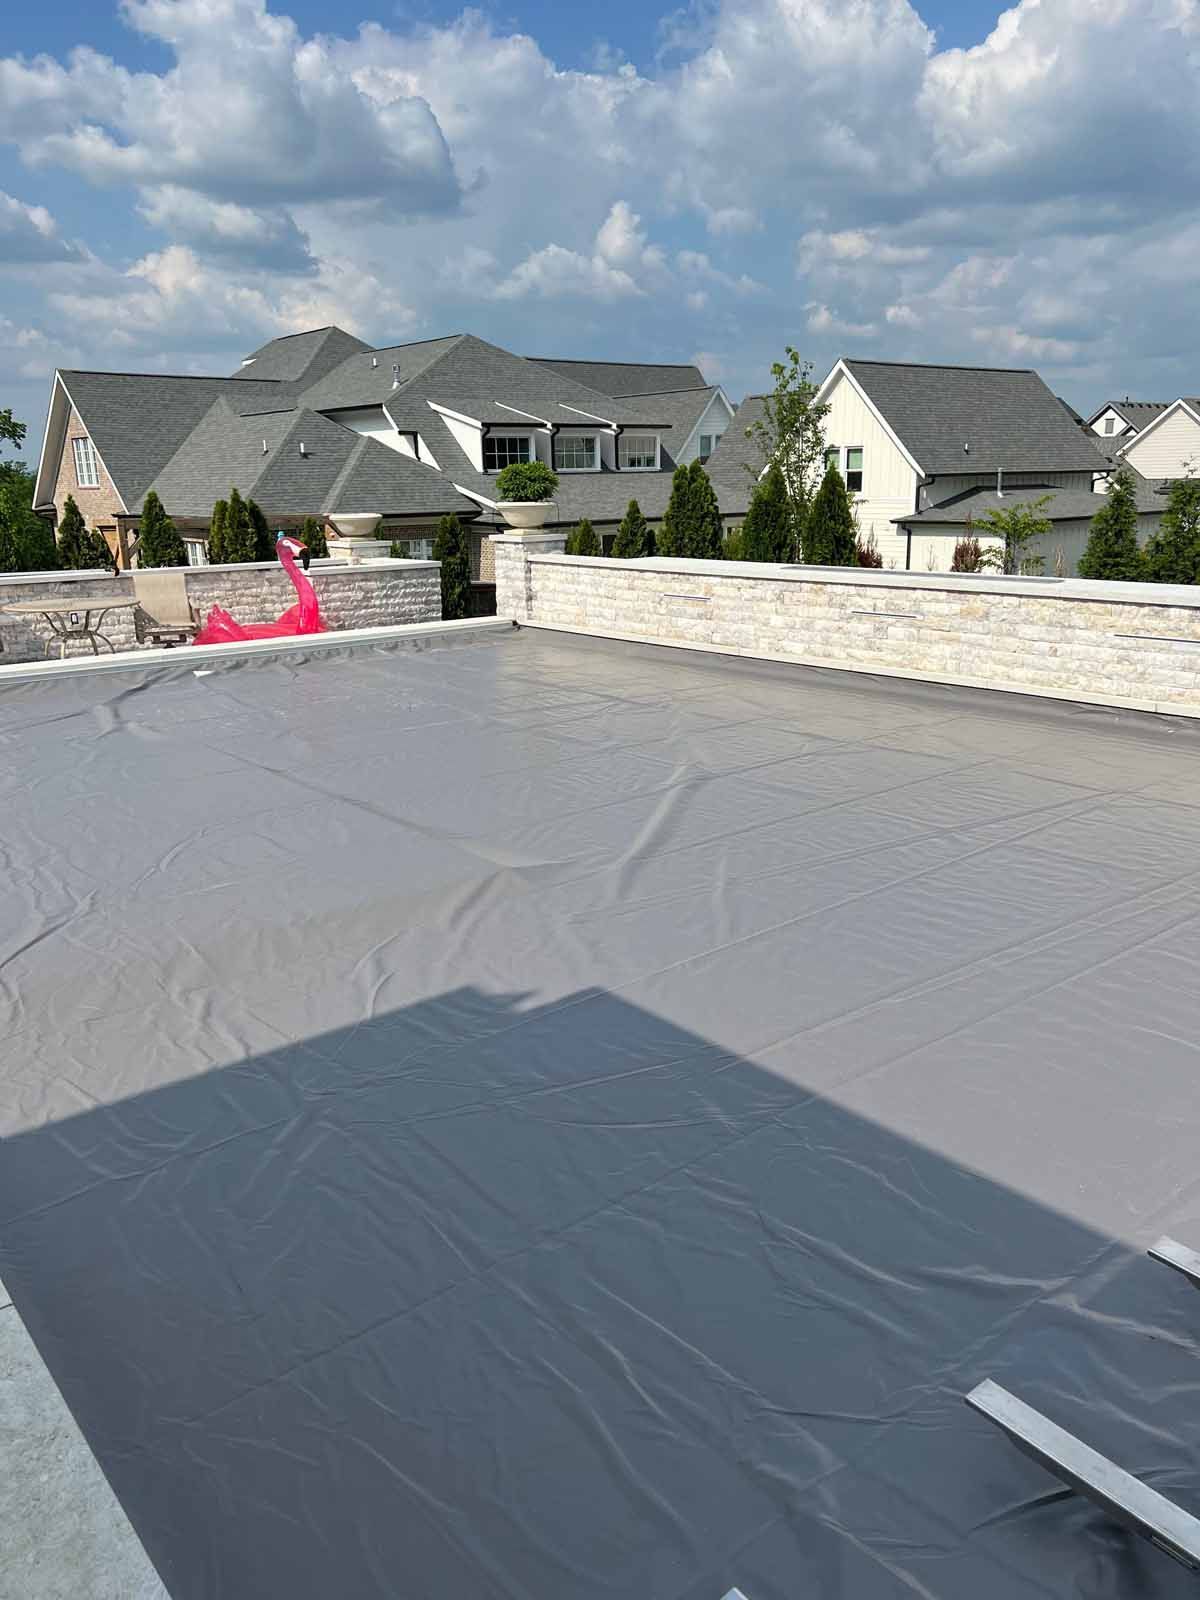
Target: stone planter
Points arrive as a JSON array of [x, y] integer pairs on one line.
[[524, 513], [354, 541]]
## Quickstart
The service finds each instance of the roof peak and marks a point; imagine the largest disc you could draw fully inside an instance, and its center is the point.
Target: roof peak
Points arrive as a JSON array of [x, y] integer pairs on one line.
[[931, 366]]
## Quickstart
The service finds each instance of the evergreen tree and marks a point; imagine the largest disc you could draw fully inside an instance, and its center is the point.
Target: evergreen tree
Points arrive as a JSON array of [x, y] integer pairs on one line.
[[632, 536], [706, 536], [264, 539], [26, 540], [78, 548], [734, 548], [583, 541], [1112, 547], [216, 532], [767, 530], [450, 548], [312, 536], [159, 544], [675, 532], [830, 537], [238, 544], [1173, 551]]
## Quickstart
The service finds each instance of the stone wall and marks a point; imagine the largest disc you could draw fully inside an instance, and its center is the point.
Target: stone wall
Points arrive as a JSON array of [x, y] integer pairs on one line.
[[1135, 645], [374, 594]]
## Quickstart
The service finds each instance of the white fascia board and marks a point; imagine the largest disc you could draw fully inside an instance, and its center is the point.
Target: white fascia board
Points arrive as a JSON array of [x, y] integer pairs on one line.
[[590, 415], [445, 411], [116, 490], [59, 397], [841, 370], [528, 415], [473, 494], [1176, 405]]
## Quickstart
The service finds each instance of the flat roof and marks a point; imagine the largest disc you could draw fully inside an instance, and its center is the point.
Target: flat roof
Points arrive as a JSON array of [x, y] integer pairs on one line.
[[547, 1118]]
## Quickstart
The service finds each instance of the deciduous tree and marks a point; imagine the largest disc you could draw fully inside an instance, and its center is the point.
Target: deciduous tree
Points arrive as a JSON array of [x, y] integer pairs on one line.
[[791, 432]]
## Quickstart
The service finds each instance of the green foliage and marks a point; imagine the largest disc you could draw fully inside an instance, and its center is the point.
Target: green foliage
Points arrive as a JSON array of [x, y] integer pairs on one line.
[[791, 433], [526, 480], [968, 552], [311, 534], [238, 541], [734, 548], [1014, 527], [264, 538], [1112, 548], [830, 534], [12, 432], [633, 536], [78, 548], [867, 553], [583, 541], [706, 536], [767, 530], [1173, 551], [216, 532], [672, 536], [450, 548], [159, 544], [26, 541]]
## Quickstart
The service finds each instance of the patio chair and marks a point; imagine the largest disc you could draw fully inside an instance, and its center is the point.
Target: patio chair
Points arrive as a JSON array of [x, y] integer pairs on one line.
[[164, 614]]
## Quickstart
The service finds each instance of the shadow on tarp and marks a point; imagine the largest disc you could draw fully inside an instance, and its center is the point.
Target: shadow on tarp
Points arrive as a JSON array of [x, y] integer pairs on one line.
[[485, 1299]]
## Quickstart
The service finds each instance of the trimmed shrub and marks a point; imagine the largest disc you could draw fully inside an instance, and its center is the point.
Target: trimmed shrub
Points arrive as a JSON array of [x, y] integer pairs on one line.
[[632, 536], [78, 548], [582, 540], [706, 536], [159, 544], [450, 548], [1173, 550], [767, 530], [676, 523], [526, 480], [264, 538], [311, 534], [216, 532], [830, 538], [238, 543], [1112, 548]]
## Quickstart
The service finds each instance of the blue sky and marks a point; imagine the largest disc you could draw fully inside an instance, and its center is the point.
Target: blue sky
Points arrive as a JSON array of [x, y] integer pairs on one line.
[[183, 179]]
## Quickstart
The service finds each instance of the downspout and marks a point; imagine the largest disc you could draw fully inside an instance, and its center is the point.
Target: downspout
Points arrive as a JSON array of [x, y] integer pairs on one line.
[[553, 428], [618, 430], [908, 530]]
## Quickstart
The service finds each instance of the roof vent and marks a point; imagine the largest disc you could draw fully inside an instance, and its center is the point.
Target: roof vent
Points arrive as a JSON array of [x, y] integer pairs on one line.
[[395, 374], [374, 361], [966, 449], [303, 448], [264, 447]]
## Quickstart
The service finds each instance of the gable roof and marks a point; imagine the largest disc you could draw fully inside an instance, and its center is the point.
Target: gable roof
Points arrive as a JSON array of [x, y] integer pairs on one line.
[[300, 357], [738, 461], [367, 377], [626, 377], [681, 410], [1135, 413], [1005, 417], [1065, 505]]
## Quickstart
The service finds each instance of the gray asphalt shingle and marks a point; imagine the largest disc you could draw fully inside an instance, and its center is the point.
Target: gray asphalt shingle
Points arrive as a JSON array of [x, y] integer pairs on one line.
[[626, 377], [301, 357]]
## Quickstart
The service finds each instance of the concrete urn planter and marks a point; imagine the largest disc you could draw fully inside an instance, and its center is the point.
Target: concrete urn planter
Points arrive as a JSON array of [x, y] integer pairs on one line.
[[355, 541], [524, 514]]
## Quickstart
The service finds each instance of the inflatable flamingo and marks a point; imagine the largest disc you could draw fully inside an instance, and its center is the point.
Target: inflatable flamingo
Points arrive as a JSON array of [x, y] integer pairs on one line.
[[303, 617]]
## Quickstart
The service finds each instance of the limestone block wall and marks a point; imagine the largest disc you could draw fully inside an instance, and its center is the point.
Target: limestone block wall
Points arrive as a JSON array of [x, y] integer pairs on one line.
[[1128, 644], [374, 594]]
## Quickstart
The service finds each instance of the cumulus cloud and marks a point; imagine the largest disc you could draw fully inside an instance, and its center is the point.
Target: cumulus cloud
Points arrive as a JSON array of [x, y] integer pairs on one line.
[[29, 235], [265, 237], [822, 319]]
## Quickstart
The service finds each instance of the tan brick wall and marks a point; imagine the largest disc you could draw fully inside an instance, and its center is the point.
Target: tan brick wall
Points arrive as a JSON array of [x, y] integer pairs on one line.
[[100, 507]]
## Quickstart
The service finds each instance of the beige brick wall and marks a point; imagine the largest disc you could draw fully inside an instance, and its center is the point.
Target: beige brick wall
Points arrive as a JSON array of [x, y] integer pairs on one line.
[[100, 507], [1135, 644], [375, 595]]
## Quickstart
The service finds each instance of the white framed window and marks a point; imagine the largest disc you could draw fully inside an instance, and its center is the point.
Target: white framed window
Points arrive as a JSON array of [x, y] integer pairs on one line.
[[854, 469], [833, 457], [576, 452], [87, 464], [196, 551], [638, 452], [419, 549], [708, 443], [1110, 424], [500, 450]]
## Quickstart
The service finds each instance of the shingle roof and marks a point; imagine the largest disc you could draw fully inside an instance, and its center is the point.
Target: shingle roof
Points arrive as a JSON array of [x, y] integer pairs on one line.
[[139, 420], [626, 377], [736, 458], [1065, 505], [680, 410], [1007, 417], [301, 357], [1137, 413], [366, 377], [377, 478]]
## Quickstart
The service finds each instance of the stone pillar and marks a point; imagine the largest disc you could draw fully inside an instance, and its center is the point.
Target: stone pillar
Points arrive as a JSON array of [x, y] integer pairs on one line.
[[511, 551]]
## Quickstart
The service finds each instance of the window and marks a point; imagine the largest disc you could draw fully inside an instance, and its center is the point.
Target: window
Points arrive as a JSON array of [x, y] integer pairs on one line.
[[638, 452], [413, 549], [833, 457], [854, 469], [500, 450], [708, 443], [197, 552], [575, 452], [1109, 424], [87, 466]]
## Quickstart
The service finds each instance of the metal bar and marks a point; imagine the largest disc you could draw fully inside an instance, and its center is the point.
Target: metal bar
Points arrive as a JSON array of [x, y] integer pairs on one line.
[[1157, 638], [1173, 1254], [1174, 1531]]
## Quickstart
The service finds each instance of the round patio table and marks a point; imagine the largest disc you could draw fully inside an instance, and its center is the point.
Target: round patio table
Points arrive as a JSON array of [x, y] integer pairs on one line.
[[73, 619]]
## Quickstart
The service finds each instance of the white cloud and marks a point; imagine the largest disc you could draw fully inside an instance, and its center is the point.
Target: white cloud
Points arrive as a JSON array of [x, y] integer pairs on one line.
[[29, 235], [901, 316], [821, 319], [555, 271], [855, 245], [266, 237]]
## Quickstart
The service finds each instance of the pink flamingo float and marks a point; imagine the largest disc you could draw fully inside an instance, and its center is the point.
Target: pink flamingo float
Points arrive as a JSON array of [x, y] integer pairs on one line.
[[303, 617]]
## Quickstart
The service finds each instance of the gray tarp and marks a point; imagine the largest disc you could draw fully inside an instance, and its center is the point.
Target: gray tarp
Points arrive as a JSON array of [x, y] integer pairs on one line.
[[553, 1121]]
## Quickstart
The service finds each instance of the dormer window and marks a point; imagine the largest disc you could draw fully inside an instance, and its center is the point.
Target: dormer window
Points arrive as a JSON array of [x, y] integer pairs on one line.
[[1110, 424], [500, 450], [638, 452], [576, 452]]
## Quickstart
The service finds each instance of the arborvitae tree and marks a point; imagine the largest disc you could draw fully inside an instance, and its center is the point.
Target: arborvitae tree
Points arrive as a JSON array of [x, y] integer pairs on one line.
[[159, 544], [77, 547], [216, 532], [706, 538], [830, 537], [767, 530], [583, 541], [734, 548], [311, 534], [264, 539], [450, 548], [675, 532], [238, 543], [1112, 547], [632, 535], [1173, 550]]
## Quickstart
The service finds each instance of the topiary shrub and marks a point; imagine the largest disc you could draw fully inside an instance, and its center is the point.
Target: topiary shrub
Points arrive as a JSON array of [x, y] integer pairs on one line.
[[159, 544], [582, 540], [450, 548], [634, 538], [311, 534], [79, 549], [526, 481]]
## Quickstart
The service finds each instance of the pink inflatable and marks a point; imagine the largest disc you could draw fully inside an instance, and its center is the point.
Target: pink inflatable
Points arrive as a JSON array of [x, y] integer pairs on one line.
[[303, 617]]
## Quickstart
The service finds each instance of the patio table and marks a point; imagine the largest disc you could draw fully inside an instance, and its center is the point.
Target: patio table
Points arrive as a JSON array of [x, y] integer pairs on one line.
[[73, 619]]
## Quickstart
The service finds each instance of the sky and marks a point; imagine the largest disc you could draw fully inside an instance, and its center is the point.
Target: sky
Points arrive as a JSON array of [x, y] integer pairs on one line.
[[944, 180]]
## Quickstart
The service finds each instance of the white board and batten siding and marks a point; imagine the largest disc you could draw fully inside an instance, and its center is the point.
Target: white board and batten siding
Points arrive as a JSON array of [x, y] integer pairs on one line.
[[1170, 447], [714, 419], [889, 482]]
